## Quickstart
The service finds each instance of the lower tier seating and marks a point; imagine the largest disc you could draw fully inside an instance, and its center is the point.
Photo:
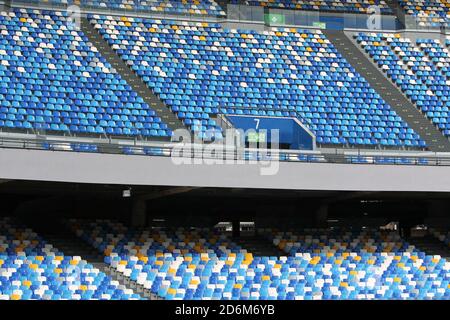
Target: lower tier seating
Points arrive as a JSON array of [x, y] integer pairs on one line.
[[319, 264], [32, 269]]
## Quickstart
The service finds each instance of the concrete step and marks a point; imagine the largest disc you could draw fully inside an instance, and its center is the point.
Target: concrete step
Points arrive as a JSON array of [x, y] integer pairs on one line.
[[394, 5], [391, 94], [127, 282]]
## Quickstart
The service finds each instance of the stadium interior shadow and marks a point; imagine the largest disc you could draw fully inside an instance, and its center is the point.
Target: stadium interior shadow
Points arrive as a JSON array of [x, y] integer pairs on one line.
[[205, 207]]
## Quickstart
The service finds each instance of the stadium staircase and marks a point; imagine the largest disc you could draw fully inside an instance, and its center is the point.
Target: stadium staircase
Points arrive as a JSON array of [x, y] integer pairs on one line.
[[259, 246], [130, 77], [394, 5], [435, 140], [430, 245], [224, 3], [58, 235]]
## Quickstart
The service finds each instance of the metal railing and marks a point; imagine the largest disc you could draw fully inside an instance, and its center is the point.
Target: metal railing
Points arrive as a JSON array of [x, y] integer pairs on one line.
[[216, 151]]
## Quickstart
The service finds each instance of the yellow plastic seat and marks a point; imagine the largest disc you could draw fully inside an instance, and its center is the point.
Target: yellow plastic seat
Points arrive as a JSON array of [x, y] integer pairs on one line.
[[172, 291]]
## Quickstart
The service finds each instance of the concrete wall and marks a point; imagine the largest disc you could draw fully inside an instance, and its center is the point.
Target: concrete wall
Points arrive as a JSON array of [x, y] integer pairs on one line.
[[143, 170]]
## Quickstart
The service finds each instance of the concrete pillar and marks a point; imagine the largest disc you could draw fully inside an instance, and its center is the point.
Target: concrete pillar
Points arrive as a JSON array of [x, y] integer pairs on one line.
[[236, 228], [139, 212], [321, 216]]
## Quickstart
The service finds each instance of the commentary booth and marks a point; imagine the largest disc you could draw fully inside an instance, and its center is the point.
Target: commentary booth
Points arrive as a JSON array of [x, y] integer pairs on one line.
[[292, 134]]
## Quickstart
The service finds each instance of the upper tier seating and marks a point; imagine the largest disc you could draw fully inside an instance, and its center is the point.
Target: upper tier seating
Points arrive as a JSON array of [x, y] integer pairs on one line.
[[429, 13], [419, 70], [319, 265], [186, 7], [32, 269], [52, 78], [350, 6], [202, 70]]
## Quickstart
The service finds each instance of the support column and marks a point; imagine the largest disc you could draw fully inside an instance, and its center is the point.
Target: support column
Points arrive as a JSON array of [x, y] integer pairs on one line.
[[321, 216], [139, 212], [236, 228]]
